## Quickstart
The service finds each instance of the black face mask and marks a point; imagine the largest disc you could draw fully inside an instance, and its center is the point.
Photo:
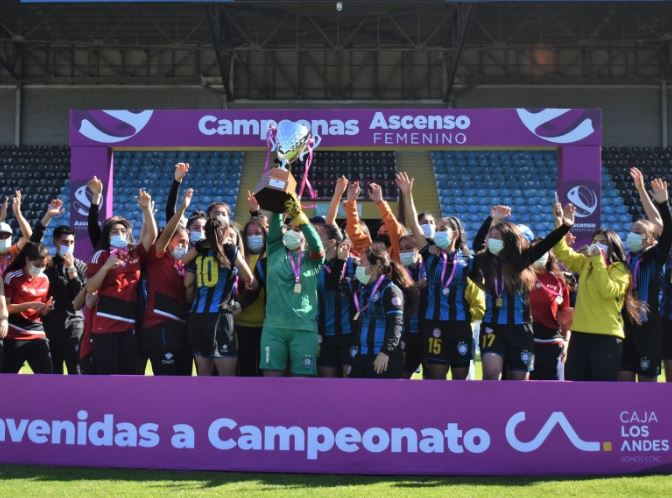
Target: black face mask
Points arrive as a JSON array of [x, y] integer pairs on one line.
[[384, 239]]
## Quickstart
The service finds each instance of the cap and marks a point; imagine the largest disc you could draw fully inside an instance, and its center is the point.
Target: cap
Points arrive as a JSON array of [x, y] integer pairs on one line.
[[318, 219], [526, 232], [5, 228]]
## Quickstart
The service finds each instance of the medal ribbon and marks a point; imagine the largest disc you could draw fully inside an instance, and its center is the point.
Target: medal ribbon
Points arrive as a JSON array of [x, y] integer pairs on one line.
[[296, 266], [445, 284], [359, 309]]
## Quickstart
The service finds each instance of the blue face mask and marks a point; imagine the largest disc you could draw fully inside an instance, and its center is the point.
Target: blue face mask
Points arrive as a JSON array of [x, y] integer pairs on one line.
[[495, 246], [255, 242], [63, 250], [195, 236], [118, 241], [443, 239]]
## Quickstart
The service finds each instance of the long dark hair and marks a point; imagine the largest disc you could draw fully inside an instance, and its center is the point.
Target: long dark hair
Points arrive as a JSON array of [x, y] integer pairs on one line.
[[456, 225], [552, 265], [104, 242], [516, 276], [31, 251], [377, 255], [215, 234], [264, 230], [634, 307]]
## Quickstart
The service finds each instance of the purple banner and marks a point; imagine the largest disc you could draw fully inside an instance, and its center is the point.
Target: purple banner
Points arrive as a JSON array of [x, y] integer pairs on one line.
[[352, 128], [337, 426]]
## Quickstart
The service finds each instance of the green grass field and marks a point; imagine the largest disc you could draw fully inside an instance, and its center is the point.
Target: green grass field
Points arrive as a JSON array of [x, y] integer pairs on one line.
[[47, 481]]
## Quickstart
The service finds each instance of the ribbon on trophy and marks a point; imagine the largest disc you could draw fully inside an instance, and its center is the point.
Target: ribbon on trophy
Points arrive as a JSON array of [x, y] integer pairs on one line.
[[292, 141]]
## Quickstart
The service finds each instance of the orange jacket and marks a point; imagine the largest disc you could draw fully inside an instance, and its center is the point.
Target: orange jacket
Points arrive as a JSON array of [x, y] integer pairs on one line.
[[361, 239]]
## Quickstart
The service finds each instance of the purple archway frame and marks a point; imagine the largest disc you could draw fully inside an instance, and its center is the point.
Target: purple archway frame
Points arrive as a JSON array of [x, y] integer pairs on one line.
[[575, 133]]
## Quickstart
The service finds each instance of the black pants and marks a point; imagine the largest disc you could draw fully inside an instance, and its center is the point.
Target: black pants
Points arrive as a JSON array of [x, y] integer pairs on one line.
[[362, 367], [546, 360], [249, 346], [115, 352], [64, 345], [593, 357], [168, 348], [35, 352]]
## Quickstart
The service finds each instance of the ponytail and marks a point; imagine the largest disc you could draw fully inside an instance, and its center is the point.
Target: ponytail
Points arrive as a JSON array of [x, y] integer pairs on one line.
[[215, 232], [457, 227]]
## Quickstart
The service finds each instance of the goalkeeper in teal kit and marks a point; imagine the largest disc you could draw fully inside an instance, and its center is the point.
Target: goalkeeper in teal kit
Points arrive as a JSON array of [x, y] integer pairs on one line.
[[294, 260]]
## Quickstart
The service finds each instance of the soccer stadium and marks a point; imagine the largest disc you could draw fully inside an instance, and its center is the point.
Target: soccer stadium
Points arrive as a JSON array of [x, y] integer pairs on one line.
[[425, 245]]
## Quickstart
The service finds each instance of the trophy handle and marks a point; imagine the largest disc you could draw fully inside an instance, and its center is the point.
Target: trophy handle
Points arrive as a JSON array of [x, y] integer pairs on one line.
[[312, 144]]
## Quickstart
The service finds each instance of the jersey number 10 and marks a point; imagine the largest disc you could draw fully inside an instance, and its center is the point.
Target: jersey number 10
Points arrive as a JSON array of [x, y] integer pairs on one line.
[[207, 272]]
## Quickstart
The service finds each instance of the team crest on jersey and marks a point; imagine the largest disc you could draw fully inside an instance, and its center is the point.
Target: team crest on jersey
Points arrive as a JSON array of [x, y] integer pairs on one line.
[[526, 357], [396, 301], [644, 363], [462, 348], [436, 333], [307, 361], [375, 297], [353, 351]]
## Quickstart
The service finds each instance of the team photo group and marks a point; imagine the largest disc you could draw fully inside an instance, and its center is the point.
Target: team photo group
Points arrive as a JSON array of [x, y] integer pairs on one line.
[[285, 294]]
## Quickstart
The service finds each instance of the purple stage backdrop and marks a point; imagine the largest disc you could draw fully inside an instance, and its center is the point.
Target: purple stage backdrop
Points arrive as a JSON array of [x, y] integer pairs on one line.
[[337, 426], [95, 133]]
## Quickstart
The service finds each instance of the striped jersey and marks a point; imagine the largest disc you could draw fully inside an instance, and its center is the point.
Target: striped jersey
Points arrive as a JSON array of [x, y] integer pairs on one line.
[[446, 300], [213, 283], [381, 323], [335, 310], [418, 273]]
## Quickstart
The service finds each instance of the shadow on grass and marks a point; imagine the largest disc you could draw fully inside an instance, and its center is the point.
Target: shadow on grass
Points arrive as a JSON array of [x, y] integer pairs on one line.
[[202, 480]]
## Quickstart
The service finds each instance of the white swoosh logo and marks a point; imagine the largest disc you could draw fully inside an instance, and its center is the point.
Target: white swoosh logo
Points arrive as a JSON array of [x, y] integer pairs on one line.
[[533, 120], [556, 418]]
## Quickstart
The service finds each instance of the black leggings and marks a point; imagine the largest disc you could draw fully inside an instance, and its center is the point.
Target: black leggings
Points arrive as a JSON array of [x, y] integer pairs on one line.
[[35, 352], [249, 346], [593, 357], [362, 367], [115, 353], [168, 348], [64, 345]]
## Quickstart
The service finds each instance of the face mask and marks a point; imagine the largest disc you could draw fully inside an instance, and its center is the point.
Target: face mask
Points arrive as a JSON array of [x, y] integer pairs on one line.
[[255, 242], [408, 258], [5, 244], [634, 241], [292, 240], [541, 262], [362, 276], [428, 230], [223, 219], [36, 271], [604, 248], [495, 246], [384, 239], [118, 241], [179, 252], [196, 236], [63, 250], [443, 239]]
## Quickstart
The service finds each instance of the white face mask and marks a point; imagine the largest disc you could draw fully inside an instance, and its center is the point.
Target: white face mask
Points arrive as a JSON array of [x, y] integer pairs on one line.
[[179, 252], [634, 241], [429, 230], [604, 248], [36, 271], [541, 262], [443, 239], [63, 250], [196, 235], [292, 240], [118, 241], [255, 242], [222, 218], [495, 246], [361, 275], [5, 244], [408, 258]]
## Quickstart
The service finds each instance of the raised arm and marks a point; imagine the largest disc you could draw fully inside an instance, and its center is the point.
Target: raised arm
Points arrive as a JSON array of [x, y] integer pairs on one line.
[[574, 261], [55, 208], [652, 213], [243, 269], [95, 186], [169, 230], [274, 240], [300, 220], [395, 230], [181, 170], [149, 229], [405, 184], [26, 231], [361, 240], [339, 190], [660, 196], [4, 313]]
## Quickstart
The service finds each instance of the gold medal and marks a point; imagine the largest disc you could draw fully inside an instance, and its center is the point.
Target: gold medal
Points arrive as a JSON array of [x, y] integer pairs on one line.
[[297, 288], [499, 303]]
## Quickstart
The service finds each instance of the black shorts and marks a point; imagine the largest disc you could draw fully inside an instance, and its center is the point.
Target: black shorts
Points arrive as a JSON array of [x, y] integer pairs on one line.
[[362, 366], [643, 348], [547, 361], [448, 343], [514, 343], [212, 335], [336, 350], [168, 348], [667, 339], [35, 352], [413, 346]]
